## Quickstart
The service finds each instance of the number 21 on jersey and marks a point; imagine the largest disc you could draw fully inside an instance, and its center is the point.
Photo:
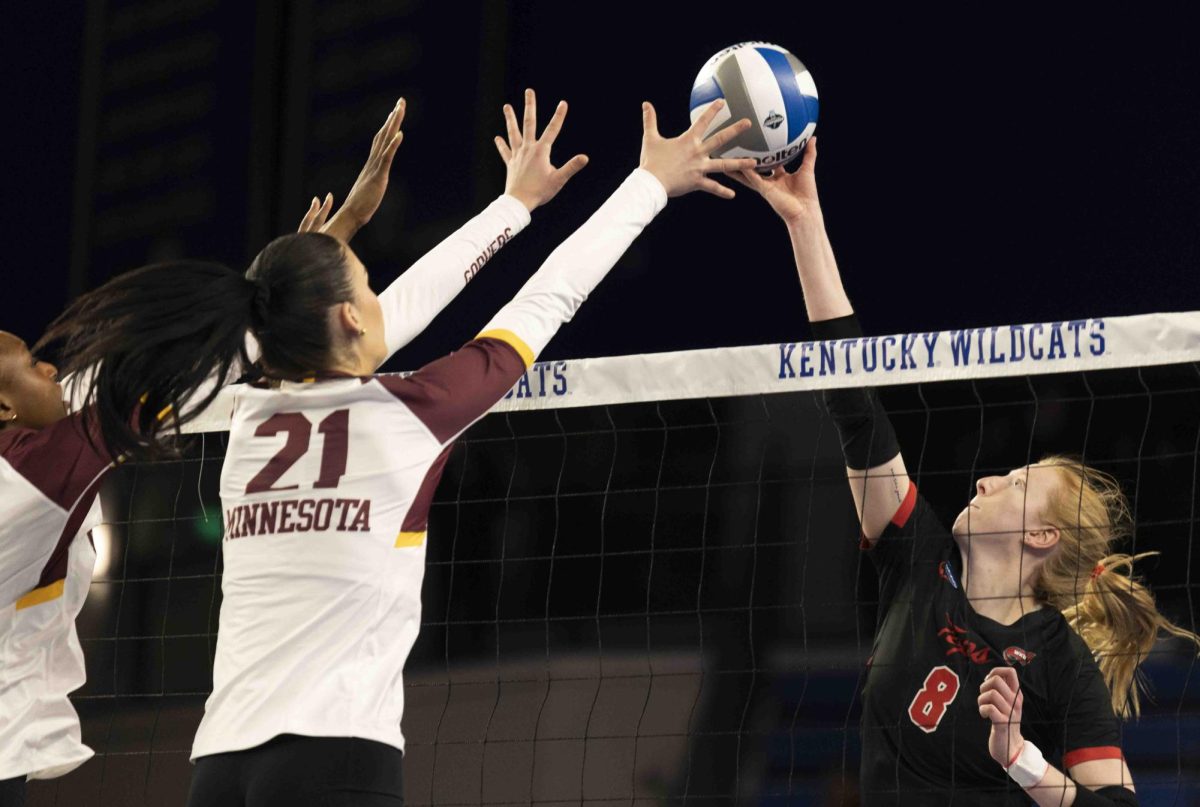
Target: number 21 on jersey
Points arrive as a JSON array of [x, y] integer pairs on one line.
[[934, 697], [299, 434]]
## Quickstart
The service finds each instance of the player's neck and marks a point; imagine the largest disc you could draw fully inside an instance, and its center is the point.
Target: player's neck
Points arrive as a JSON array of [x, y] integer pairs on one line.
[[995, 589], [353, 365]]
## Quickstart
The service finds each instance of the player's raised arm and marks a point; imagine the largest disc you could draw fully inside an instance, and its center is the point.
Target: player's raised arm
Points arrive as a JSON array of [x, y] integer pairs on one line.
[[412, 301], [878, 478], [368, 189], [462, 387]]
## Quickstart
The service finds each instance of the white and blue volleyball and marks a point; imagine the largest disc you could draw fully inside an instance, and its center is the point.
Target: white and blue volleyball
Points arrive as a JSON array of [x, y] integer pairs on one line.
[[768, 85]]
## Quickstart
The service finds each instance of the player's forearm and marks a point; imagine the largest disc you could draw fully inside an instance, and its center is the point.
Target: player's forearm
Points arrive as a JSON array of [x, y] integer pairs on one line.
[[876, 471], [343, 226], [412, 301], [820, 280], [1056, 789], [552, 296]]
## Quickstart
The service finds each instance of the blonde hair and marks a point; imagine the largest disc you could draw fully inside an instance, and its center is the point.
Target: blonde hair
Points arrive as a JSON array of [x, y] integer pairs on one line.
[[1093, 587]]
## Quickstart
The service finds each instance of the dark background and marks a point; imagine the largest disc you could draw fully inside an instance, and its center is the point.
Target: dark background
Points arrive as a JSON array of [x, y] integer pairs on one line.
[[976, 168]]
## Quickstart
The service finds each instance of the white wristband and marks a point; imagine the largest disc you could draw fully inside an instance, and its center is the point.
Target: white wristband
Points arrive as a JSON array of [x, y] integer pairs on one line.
[[1029, 767]]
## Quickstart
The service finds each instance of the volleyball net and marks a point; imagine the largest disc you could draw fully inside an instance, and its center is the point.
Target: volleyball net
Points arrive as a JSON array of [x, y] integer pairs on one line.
[[643, 584]]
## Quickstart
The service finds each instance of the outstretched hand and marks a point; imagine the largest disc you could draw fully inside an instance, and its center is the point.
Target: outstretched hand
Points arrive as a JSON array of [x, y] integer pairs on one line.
[[793, 195], [682, 163], [1001, 701], [367, 192], [318, 212], [532, 179]]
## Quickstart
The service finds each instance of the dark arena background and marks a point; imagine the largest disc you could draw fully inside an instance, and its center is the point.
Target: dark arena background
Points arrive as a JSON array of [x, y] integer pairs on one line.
[[655, 601]]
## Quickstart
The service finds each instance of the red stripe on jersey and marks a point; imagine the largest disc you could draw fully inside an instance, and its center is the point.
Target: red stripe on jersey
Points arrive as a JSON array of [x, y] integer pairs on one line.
[[1073, 758], [900, 518]]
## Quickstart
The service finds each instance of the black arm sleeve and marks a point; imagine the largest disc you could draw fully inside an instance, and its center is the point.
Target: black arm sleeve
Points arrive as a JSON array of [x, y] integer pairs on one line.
[[1105, 796], [862, 423]]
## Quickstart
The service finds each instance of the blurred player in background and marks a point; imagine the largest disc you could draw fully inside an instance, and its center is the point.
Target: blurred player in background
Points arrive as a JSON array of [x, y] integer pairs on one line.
[[1015, 630]]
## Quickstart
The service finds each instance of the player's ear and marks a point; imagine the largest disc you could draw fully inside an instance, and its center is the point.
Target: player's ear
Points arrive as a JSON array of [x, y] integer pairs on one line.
[[1044, 538], [348, 320], [8, 401]]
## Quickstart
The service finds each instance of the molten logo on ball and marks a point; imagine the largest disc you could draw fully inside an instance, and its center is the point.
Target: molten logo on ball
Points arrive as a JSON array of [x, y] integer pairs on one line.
[[767, 85]]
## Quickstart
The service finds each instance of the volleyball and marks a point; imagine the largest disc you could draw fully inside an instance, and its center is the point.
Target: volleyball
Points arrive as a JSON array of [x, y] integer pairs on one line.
[[768, 85]]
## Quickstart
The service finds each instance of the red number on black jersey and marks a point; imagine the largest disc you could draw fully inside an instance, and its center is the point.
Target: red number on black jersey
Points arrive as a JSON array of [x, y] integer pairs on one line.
[[335, 428], [929, 705]]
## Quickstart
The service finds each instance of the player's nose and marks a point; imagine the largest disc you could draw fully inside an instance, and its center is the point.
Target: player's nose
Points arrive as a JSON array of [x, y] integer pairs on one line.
[[985, 485], [48, 370]]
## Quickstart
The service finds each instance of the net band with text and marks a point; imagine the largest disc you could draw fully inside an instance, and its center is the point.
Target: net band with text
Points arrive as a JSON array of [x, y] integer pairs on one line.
[[959, 354]]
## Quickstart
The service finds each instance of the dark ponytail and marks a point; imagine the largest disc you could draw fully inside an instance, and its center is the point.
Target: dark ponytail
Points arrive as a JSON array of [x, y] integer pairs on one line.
[[301, 276], [165, 338], [150, 339]]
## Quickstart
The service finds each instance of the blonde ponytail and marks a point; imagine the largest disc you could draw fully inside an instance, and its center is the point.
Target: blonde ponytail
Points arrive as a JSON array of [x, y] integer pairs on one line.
[[1095, 589]]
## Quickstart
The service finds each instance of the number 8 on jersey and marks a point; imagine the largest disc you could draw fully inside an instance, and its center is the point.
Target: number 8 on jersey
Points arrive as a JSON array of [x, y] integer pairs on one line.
[[929, 705]]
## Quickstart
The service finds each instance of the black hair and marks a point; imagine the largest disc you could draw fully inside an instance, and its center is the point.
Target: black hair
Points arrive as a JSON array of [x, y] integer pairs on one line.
[[166, 337], [300, 276]]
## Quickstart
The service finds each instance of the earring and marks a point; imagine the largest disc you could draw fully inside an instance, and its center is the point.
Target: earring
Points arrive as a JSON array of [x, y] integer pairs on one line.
[[11, 419], [362, 332]]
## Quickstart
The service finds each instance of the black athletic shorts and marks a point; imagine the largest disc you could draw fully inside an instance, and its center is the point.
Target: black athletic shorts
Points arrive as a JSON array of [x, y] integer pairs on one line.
[[293, 771], [12, 792]]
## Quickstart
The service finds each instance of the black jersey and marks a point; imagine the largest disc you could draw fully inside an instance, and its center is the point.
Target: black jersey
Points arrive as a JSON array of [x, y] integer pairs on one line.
[[923, 739]]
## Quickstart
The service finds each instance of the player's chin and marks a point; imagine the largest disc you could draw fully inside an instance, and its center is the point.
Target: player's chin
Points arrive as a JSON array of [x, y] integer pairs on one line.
[[58, 406], [962, 524]]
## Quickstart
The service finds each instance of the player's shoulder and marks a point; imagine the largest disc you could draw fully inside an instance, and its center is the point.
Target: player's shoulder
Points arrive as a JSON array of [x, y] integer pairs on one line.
[[68, 436], [11, 438], [1068, 656], [918, 524], [262, 398]]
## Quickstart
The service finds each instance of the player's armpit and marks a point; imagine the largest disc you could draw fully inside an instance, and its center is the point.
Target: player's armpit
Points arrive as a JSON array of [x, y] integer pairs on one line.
[[880, 493]]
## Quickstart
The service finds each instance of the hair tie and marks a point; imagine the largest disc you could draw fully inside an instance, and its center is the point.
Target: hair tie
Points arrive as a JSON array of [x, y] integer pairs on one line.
[[1096, 572]]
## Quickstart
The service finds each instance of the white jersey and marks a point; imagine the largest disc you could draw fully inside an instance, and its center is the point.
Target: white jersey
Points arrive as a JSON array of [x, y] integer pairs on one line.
[[48, 484], [326, 491]]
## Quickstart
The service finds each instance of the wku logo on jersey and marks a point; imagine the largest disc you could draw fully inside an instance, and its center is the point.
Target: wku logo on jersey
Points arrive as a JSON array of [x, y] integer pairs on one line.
[[1018, 655], [956, 637]]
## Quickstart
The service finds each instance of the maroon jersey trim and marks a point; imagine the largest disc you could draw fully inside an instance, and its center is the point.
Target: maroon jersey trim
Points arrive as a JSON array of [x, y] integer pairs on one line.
[[450, 394], [417, 519], [55, 570], [59, 460]]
